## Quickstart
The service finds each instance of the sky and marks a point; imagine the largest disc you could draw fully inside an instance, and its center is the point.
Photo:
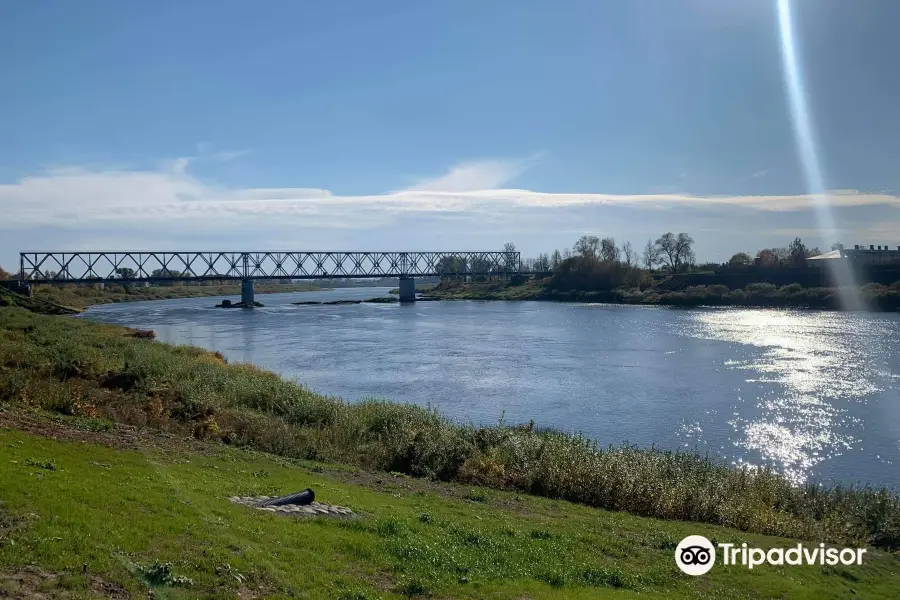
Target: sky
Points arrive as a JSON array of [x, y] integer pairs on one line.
[[435, 125]]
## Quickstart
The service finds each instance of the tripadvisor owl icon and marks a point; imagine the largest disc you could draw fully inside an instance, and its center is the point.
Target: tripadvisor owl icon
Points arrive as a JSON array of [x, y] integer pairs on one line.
[[695, 555]]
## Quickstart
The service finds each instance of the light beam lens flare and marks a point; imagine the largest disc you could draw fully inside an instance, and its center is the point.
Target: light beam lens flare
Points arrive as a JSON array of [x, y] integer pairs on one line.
[[806, 145]]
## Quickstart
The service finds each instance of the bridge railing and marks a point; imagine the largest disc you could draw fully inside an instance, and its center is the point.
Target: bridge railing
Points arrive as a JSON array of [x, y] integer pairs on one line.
[[58, 267]]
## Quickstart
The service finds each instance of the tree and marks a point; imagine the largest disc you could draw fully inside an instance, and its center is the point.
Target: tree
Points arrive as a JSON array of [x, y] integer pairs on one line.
[[479, 264], [629, 254], [3, 274], [509, 256], [741, 259], [587, 246], [767, 257], [650, 256], [451, 265], [555, 259], [542, 263], [675, 250], [125, 273], [609, 252], [164, 274], [797, 253]]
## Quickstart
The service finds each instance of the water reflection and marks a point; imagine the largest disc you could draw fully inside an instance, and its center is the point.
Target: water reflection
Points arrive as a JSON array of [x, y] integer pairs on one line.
[[806, 371]]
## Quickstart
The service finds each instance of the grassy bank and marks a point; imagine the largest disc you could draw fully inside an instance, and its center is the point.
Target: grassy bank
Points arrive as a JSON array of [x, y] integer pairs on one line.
[[76, 367], [80, 297], [36, 305], [876, 296], [109, 511]]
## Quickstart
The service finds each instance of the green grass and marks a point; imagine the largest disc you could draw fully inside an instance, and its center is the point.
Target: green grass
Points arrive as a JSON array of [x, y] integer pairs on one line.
[[489, 290], [37, 305], [156, 517], [77, 367], [876, 296], [80, 297]]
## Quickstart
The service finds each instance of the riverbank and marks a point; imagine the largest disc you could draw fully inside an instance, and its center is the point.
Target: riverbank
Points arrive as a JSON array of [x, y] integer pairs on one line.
[[74, 366], [94, 379], [757, 295], [173, 532], [80, 297]]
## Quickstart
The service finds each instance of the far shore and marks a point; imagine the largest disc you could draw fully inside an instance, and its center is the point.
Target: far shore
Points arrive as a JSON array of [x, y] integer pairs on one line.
[[79, 298], [875, 297]]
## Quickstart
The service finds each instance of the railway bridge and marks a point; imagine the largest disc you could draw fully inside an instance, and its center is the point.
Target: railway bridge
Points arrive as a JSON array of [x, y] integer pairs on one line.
[[160, 267]]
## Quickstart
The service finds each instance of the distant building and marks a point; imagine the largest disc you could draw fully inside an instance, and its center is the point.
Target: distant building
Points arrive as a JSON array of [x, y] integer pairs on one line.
[[873, 255]]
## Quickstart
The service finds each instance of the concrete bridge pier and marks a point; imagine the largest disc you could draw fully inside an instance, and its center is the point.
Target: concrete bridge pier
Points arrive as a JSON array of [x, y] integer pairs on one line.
[[247, 292], [407, 289]]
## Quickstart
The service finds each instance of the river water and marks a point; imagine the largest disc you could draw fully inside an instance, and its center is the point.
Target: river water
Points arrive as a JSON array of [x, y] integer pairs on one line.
[[815, 394]]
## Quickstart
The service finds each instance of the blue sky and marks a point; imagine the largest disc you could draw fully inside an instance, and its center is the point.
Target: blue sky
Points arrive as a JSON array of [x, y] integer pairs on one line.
[[440, 125]]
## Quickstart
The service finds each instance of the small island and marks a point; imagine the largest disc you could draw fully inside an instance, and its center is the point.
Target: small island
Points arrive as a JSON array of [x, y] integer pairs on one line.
[[230, 304], [381, 300]]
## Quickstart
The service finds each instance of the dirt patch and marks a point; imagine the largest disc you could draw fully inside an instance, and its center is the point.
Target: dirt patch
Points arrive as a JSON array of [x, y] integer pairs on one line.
[[106, 433], [9, 524], [32, 583], [144, 334]]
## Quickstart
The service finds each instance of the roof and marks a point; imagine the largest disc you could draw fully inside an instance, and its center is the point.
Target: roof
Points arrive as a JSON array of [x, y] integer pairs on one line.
[[827, 256]]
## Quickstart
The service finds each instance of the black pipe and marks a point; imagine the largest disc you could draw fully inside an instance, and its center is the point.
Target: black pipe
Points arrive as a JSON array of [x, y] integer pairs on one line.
[[307, 496]]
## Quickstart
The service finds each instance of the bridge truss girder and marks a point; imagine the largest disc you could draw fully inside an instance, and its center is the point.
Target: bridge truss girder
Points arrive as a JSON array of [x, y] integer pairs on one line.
[[103, 267]]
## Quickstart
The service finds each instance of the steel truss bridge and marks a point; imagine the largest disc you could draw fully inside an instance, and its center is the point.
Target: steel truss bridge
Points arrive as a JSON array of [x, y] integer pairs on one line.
[[114, 267]]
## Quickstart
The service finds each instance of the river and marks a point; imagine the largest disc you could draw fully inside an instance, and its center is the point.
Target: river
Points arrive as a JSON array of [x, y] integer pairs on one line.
[[815, 394]]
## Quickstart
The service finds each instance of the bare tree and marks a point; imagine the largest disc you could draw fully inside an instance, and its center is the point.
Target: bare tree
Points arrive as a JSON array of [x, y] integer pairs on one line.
[[675, 250], [555, 259], [567, 253], [629, 254], [609, 252], [798, 253], [650, 256], [509, 256], [587, 246]]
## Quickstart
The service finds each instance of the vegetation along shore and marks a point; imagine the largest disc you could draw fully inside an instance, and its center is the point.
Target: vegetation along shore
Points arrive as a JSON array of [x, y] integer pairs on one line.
[[447, 509], [80, 296], [665, 273]]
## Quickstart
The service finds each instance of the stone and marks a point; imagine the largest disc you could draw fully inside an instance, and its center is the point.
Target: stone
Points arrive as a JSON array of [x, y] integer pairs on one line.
[[313, 509]]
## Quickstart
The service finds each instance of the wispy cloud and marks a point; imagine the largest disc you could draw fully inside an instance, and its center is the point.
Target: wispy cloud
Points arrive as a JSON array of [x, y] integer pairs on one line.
[[76, 197], [755, 175], [206, 152], [476, 175], [229, 155]]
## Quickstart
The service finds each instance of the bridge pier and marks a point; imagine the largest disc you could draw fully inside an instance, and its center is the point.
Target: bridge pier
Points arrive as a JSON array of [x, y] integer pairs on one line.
[[407, 289], [247, 292]]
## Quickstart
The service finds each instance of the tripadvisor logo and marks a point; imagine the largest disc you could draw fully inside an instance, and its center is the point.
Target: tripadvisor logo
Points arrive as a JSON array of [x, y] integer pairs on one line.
[[696, 555]]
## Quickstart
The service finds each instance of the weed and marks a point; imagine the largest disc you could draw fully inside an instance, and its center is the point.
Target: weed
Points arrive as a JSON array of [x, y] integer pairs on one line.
[[161, 574], [48, 465]]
